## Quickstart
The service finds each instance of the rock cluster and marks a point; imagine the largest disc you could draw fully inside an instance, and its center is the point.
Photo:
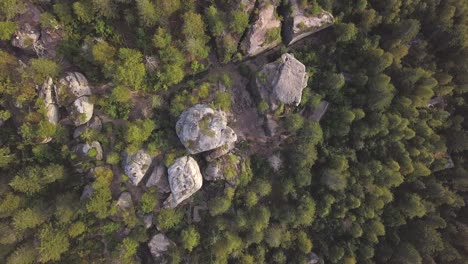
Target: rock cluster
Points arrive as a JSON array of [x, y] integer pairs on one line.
[[201, 128], [94, 123], [136, 165], [265, 32], [158, 245], [300, 23], [74, 92], [282, 80], [184, 179]]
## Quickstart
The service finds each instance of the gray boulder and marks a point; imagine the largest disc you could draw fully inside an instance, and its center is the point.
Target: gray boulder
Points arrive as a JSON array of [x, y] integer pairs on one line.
[[158, 178], [87, 192], [265, 32], [92, 150], [184, 179], [282, 80], [136, 165], [201, 128], [301, 23], [159, 245]]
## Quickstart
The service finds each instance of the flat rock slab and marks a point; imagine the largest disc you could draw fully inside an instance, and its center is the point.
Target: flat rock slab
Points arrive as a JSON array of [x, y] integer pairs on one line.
[[136, 165]]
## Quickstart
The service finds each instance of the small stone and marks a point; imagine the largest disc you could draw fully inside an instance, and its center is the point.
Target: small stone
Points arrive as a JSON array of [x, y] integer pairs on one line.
[[87, 192], [84, 150], [125, 201]]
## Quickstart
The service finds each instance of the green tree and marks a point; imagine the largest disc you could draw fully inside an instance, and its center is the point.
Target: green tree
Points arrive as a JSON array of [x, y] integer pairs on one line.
[[147, 12], [169, 218], [240, 21], [7, 28], [29, 218], [44, 68], [130, 71], [52, 244], [190, 238]]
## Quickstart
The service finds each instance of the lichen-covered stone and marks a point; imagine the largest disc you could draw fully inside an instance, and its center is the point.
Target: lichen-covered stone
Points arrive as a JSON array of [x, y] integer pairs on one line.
[[81, 110], [136, 165], [184, 179], [71, 87], [282, 80], [201, 128], [265, 32], [51, 108]]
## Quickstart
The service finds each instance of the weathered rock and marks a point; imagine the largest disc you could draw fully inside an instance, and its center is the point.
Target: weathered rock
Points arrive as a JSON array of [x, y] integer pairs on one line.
[[159, 245], [51, 108], [125, 201], [301, 23], [184, 179], [282, 80], [312, 258], [265, 32], [201, 128], [81, 110], [87, 192], [71, 87], [92, 150], [213, 172], [136, 165], [94, 123], [158, 178], [49, 41], [26, 37]]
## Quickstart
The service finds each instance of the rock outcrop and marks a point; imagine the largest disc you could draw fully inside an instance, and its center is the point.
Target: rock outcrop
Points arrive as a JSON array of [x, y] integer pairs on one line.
[[92, 150], [265, 32], [136, 165], [158, 178], [51, 108], [302, 21], [184, 179], [159, 245], [201, 128], [74, 92], [282, 80], [26, 37]]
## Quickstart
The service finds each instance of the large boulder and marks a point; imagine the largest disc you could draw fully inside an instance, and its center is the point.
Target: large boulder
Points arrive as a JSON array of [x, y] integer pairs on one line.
[[265, 32], [74, 92], [136, 165], [71, 87], [159, 245], [184, 179], [158, 178], [305, 20], [282, 80], [201, 128]]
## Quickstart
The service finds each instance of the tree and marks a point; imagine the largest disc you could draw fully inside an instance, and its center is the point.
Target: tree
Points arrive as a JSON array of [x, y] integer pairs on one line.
[[294, 122], [303, 242], [147, 12], [214, 21], [9, 8], [44, 68], [130, 71], [7, 28], [52, 244], [345, 32], [121, 94], [240, 21], [195, 37], [169, 218], [190, 238], [25, 254], [29, 218]]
